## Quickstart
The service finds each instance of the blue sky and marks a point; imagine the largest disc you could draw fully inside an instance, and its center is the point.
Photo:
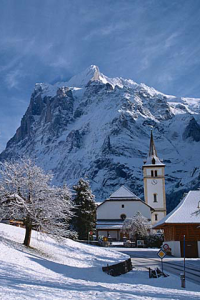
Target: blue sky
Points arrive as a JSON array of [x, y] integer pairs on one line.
[[152, 41]]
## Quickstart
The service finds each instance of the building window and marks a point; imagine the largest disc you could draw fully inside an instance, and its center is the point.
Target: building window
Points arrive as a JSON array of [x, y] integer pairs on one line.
[[155, 198], [156, 173], [122, 205], [123, 217], [151, 173], [153, 161], [156, 217]]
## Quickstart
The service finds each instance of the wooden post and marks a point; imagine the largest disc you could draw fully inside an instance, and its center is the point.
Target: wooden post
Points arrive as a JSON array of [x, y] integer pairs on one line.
[[183, 282]]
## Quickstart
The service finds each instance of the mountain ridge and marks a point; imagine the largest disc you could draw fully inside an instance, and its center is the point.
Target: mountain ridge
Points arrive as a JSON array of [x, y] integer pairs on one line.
[[98, 127]]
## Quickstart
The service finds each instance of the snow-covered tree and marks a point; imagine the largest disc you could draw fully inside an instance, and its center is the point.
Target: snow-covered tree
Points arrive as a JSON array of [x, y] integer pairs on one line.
[[26, 194], [83, 220], [138, 226]]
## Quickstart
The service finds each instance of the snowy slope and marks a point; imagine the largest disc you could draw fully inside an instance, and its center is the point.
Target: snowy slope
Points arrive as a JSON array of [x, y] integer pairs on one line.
[[99, 127], [69, 270]]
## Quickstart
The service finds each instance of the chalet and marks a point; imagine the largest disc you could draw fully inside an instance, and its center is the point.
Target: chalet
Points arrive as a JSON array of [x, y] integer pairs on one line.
[[183, 221]]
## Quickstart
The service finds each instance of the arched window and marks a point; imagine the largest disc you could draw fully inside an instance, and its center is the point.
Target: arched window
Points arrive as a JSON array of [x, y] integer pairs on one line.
[[153, 161]]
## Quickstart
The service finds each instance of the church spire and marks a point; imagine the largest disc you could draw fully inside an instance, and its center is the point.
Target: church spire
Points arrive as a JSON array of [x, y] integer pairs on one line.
[[152, 158], [152, 148], [154, 182]]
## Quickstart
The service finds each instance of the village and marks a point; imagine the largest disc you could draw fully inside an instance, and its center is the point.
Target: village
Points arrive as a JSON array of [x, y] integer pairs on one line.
[[99, 150], [132, 237], [181, 223]]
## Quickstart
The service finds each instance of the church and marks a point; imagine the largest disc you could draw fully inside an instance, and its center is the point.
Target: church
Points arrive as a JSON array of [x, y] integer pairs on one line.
[[123, 203]]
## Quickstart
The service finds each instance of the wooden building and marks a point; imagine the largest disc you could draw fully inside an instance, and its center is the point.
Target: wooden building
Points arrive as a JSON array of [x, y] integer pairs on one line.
[[183, 221]]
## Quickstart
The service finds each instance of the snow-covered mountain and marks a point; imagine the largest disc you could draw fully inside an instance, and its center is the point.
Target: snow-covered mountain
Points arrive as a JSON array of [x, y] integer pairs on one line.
[[99, 128]]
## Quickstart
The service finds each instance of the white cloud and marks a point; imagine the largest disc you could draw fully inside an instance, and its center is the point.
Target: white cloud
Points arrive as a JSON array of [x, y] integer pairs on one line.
[[13, 78]]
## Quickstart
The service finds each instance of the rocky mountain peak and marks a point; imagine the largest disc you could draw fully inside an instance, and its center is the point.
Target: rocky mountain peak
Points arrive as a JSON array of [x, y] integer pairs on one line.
[[98, 127], [92, 73]]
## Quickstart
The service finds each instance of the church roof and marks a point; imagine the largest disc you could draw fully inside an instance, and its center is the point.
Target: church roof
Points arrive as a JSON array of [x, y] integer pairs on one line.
[[152, 148], [123, 192], [109, 224], [184, 213], [152, 158]]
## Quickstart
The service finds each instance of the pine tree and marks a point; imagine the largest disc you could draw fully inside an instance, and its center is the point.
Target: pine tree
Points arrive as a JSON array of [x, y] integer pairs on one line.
[[83, 220]]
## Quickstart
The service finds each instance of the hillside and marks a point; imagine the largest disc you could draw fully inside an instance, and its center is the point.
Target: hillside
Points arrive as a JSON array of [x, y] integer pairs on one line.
[[69, 270], [99, 128]]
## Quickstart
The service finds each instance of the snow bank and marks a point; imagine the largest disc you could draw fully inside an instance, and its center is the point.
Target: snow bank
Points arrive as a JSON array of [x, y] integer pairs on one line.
[[69, 270]]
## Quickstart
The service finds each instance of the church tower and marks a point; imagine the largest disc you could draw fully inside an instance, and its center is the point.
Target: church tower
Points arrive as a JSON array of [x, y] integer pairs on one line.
[[154, 183]]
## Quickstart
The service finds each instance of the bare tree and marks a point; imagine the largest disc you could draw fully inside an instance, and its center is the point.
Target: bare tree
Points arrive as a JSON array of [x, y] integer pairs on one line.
[[138, 225], [26, 194]]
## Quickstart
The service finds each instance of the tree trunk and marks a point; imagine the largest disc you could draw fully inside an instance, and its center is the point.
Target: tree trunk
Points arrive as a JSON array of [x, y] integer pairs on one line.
[[27, 238]]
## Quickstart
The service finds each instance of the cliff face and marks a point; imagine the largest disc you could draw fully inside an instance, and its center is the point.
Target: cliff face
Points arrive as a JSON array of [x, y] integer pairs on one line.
[[97, 127]]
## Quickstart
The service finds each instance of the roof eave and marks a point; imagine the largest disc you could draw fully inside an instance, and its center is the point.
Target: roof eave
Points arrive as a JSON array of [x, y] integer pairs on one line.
[[163, 225]]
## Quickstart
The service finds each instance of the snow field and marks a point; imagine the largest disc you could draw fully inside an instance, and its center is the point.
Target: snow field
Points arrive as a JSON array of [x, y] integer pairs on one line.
[[70, 270]]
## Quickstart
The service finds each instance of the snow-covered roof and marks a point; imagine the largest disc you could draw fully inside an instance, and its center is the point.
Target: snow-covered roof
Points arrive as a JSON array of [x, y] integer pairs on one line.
[[184, 213], [109, 224], [149, 160], [118, 226], [123, 192]]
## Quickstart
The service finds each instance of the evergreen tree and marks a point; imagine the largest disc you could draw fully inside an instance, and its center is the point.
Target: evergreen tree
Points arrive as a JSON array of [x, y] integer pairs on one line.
[[84, 217]]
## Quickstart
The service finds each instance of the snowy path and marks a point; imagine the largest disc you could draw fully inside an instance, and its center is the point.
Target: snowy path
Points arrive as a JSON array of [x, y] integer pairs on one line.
[[145, 258], [70, 270]]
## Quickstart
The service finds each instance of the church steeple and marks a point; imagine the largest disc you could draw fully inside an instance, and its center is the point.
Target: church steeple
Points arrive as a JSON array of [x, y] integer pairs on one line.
[[154, 183], [152, 148], [153, 158]]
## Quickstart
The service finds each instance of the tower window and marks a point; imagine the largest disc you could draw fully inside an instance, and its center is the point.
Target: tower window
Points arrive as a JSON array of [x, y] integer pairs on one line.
[[156, 173], [155, 198], [153, 161], [151, 173], [122, 205], [156, 217]]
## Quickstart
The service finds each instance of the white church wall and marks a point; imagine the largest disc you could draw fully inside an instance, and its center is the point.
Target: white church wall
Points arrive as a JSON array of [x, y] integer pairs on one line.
[[113, 209], [159, 171], [155, 189], [160, 216]]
